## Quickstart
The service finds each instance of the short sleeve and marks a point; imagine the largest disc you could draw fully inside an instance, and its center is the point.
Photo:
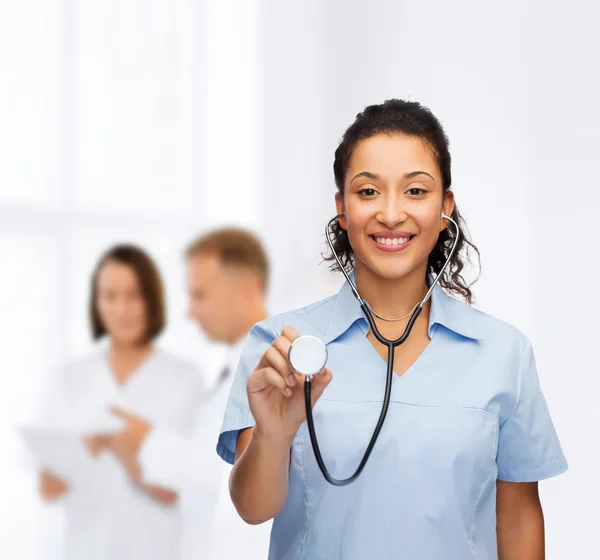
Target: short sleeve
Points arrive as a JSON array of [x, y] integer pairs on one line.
[[237, 412], [528, 446]]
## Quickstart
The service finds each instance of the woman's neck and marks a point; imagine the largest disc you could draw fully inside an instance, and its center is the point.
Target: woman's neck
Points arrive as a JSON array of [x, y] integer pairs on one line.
[[124, 359], [391, 298]]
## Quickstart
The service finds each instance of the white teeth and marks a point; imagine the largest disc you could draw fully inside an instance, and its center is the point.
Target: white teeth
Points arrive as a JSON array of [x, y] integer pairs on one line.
[[392, 241]]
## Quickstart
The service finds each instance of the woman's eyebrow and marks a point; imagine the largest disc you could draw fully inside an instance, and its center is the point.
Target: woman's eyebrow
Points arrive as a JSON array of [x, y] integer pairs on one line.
[[414, 174], [376, 177], [366, 174]]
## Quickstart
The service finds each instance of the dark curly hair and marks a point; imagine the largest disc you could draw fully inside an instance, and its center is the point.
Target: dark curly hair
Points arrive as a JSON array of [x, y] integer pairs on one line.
[[397, 116]]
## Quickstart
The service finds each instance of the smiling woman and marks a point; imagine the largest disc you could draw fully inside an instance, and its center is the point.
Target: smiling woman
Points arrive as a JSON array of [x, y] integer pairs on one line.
[[381, 133], [454, 471]]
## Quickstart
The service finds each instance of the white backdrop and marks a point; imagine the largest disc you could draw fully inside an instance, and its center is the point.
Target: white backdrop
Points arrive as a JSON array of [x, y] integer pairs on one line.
[[152, 121]]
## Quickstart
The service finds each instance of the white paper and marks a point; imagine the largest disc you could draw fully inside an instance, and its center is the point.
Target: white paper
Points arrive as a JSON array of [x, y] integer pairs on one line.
[[63, 453]]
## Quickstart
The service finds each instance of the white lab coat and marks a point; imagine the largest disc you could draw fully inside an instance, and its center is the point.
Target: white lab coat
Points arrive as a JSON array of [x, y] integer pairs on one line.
[[213, 529], [122, 521]]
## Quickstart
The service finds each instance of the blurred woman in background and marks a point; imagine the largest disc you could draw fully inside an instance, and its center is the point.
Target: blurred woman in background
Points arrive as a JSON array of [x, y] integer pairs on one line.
[[119, 516]]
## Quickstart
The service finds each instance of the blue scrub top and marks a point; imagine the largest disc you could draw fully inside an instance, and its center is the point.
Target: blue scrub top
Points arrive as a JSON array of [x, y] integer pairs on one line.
[[468, 412]]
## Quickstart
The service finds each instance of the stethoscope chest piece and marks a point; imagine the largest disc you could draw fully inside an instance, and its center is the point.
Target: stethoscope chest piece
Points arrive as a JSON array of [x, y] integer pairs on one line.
[[307, 355]]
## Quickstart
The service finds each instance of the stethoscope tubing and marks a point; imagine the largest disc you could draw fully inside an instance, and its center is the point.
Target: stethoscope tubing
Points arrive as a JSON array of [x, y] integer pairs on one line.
[[391, 346]]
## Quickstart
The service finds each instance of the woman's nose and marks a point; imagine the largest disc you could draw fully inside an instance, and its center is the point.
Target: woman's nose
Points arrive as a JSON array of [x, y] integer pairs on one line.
[[391, 212]]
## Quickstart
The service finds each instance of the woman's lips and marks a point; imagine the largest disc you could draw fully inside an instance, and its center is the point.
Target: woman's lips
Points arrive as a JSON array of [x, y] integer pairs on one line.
[[391, 244]]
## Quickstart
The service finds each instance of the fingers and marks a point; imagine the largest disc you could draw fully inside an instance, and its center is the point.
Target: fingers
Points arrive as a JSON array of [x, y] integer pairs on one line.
[[103, 439], [52, 487], [96, 443], [120, 413], [268, 376], [290, 333], [276, 356]]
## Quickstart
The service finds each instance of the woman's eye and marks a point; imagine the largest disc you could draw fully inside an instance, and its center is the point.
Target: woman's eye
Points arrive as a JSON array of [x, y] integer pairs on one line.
[[416, 191], [367, 192]]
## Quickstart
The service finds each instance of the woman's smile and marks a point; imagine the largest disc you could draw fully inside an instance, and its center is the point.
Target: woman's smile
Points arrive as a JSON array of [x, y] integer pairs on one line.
[[391, 241]]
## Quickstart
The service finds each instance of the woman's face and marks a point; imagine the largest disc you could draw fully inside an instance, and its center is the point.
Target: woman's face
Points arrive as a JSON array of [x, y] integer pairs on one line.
[[120, 303], [393, 200]]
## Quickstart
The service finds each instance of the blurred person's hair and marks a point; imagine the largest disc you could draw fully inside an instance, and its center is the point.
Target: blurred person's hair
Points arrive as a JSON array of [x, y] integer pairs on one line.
[[151, 288], [234, 247], [410, 118]]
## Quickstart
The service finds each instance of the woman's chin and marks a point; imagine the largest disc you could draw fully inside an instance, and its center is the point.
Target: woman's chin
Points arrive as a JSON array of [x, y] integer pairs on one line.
[[387, 271], [129, 339]]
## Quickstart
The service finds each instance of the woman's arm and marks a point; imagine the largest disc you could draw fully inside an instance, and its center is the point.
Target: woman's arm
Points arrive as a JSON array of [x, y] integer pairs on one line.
[[125, 445], [519, 521], [259, 479]]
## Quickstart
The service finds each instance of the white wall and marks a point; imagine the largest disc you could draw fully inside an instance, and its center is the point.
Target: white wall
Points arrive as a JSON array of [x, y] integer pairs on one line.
[[563, 124]]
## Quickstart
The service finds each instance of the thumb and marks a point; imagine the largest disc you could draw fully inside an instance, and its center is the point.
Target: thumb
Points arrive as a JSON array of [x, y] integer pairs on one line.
[[319, 384]]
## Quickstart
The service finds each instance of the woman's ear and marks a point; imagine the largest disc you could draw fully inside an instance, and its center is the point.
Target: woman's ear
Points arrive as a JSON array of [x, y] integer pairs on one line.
[[340, 209], [447, 208]]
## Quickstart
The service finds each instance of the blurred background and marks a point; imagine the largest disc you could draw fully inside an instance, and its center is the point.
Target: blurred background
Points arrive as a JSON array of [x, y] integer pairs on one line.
[[151, 122]]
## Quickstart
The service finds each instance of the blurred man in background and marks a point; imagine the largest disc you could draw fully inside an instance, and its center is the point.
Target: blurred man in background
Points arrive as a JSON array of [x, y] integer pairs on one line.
[[227, 274]]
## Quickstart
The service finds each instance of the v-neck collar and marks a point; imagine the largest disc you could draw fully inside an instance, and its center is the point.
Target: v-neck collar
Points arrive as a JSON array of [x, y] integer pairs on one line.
[[133, 375], [445, 310]]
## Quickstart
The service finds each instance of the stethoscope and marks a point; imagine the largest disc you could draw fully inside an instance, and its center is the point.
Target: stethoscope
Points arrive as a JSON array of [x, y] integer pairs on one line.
[[308, 356]]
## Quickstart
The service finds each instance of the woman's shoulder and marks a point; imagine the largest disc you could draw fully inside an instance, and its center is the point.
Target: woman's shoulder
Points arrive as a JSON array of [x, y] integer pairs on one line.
[[79, 369], [489, 329], [83, 362]]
